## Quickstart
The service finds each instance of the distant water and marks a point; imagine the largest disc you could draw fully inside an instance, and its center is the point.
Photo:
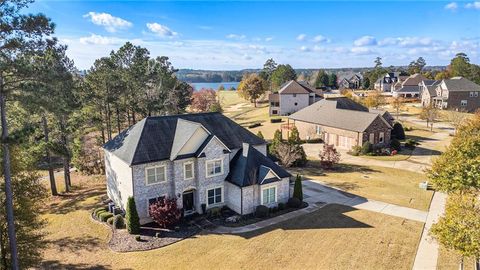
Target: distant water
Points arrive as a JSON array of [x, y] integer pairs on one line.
[[214, 86]]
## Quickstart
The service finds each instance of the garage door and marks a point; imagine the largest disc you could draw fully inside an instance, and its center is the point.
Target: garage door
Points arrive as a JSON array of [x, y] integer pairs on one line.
[[345, 142]]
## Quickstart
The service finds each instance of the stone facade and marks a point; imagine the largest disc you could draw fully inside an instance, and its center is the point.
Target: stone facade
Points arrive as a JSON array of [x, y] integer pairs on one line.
[[376, 128], [120, 184]]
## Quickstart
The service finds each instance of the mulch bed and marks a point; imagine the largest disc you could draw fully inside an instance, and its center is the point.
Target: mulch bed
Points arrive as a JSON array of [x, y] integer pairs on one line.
[[248, 219], [122, 241]]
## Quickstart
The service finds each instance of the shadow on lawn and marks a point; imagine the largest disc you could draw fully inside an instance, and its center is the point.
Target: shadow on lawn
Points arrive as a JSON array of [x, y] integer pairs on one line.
[[73, 245], [331, 216], [421, 151], [73, 201], [313, 168], [54, 264]]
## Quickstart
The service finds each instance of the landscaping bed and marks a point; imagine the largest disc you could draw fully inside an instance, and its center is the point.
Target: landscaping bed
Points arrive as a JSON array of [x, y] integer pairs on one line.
[[221, 220], [122, 241]]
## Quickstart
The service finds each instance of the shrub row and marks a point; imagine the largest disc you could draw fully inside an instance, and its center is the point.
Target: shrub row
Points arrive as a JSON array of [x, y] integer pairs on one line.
[[254, 125], [276, 120]]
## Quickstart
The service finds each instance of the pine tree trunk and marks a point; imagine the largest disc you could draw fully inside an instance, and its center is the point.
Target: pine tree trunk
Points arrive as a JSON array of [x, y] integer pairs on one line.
[[8, 182], [118, 119], [103, 128], [66, 165], [460, 267], [51, 173], [133, 117], [128, 117], [108, 120], [477, 263]]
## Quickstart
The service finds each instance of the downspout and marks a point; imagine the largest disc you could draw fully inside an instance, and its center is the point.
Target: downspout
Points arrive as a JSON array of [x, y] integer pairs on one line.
[[241, 201]]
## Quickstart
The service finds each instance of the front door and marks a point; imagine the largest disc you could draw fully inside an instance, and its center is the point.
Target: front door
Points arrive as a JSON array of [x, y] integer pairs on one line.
[[188, 205]]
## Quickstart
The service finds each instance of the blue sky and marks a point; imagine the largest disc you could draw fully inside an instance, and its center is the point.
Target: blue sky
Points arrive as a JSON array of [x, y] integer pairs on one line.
[[237, 35]]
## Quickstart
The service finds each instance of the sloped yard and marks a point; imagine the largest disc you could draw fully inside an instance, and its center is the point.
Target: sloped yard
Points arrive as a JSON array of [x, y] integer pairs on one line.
[[334, 237]]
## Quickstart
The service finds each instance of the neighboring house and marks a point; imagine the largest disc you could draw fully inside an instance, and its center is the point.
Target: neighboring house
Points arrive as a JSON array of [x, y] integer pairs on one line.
[[355, 82], [457, 93], [343, 123], [203, 160], [428, 92], [293, 96], [410, 87], [385, 83]]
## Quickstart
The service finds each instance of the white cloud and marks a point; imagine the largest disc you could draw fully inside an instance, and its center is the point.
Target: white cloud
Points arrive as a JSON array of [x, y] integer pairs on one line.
[[100, 40], [109, 22], [161, 30], [407, 41], [267, 39], [320, 39], [304, 49], [205, 27], [301, 37], [365, 41], [361, 50], [473, 5], [235, 36], [247, 57], [451, 6]]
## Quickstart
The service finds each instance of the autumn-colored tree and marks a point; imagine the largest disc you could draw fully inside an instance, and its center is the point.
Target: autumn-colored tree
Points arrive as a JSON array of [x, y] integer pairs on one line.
[[430, 114], [456, 118], [374, 99], [397, 103], [165, 212], [251, 87], [329, 156], [202, 100]]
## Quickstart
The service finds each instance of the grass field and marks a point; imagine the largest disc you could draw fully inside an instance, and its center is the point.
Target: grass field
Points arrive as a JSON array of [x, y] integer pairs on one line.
[[244, 113], [334, 237], [449, 260], [389, 185]]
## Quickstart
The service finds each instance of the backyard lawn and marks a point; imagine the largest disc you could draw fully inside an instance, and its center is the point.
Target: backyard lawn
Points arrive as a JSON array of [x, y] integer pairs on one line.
[[388, 185], [334, 237], [244, 113]]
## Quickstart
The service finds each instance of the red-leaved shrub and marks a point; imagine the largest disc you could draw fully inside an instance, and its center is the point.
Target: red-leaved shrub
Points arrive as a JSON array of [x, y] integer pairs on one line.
[[165, 212]]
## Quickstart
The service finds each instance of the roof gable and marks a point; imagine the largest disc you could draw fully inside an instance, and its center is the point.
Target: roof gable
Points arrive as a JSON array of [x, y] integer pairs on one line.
[[152, 138], [294, 87]]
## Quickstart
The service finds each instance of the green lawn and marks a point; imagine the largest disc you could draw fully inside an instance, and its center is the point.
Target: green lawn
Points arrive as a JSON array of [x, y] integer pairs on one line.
[[389, 185], [334, 237]]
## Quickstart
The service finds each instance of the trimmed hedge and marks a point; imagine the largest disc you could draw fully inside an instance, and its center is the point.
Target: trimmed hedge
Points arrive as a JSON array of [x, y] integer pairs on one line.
[[367, 148], [398, 132], [105, 216], [261, 211], [96, 210], [99, 213], [294, 202], [110, 221], [395, 144], [118, 222], [276, 120], [254, 125], [297, 188], [281, 206]]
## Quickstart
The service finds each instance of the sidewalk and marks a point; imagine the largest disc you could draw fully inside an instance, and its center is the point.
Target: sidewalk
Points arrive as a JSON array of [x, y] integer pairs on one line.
[[427, 252]]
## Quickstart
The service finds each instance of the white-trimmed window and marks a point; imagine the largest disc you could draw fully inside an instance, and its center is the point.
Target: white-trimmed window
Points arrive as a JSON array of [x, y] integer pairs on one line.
[[188, 170], [215, 196], [214, 167], [476, 94], [269, 195], [463, 103], [318, 129], [372, 138], [156, 174], [471, 94], [381, 137]]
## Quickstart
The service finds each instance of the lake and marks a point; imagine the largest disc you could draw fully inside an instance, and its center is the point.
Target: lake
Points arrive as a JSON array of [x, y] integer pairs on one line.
[[215, 86]]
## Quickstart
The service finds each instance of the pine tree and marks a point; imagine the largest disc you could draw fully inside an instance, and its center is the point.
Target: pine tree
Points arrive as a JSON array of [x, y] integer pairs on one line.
[[260, 135], [132, 219], [297, 188]]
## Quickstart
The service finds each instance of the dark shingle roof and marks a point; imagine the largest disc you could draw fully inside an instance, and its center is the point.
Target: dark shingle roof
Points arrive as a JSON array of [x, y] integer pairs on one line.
[[252, 169], [151, 139], [408, 89], [461, 84], [340, 113]]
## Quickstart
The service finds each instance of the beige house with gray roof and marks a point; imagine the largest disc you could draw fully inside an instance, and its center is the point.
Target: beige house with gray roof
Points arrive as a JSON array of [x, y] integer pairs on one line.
[[342, 123]]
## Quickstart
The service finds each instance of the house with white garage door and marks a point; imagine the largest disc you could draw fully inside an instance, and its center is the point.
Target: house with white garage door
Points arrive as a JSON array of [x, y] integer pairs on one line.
[[343, 123], [203, 160]]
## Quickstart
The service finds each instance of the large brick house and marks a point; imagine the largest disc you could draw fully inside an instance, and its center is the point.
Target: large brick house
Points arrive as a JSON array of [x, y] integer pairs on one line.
[[343, 123], [203, 160], [293, 96], [457, 93], [355, 82]]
